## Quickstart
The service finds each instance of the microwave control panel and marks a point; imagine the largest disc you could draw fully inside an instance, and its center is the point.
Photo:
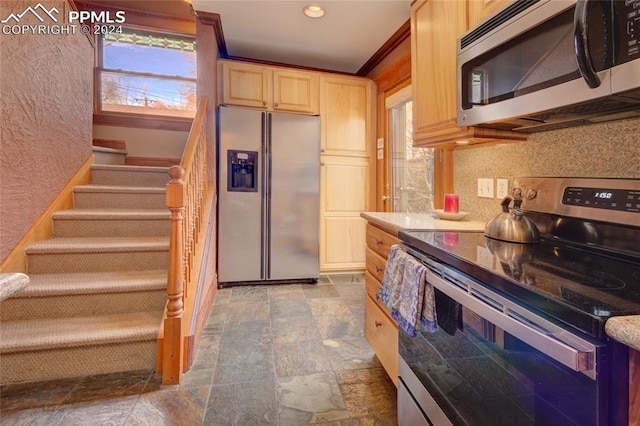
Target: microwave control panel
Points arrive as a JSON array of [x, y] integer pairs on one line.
[[628, 23]]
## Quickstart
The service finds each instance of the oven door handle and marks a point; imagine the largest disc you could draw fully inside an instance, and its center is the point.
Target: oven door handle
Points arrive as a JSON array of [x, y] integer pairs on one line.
[[571, 351]]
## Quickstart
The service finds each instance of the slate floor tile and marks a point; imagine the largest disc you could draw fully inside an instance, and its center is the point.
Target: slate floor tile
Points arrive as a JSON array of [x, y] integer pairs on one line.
[[300, 358], [248, 403], [310, 399]]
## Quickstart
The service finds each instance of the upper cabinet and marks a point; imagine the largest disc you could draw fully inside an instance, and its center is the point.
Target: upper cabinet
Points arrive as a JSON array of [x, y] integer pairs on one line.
[[435, 27], [481, 9], [346, 107], [268, 88]]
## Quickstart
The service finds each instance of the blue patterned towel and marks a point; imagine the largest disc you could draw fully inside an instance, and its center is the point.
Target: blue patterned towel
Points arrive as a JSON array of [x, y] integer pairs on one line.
[[406, 293], [391, 286]]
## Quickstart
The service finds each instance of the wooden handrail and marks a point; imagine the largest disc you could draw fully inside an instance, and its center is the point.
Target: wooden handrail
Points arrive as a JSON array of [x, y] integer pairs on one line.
[[186, 192]]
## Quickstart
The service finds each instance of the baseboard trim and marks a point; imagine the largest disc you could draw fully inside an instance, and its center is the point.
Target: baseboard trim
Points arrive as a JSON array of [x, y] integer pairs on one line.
[[42, 228]]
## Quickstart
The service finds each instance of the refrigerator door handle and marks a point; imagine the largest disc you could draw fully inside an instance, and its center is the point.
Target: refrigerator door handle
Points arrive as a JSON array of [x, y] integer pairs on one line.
[[264, 219], [267, 246]]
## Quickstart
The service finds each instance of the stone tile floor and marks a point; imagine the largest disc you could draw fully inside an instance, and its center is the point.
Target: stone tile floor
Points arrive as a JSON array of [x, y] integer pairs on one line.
[[270, 355]]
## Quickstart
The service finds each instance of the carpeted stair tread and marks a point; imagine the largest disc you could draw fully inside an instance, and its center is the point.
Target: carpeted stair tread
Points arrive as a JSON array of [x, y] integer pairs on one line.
[[47, 334], [93, 282], [120, 189], [98, 245], [112, 214]]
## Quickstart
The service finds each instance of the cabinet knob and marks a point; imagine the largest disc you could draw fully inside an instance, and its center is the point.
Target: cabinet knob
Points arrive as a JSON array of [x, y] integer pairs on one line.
[[275, 105], [264, 102], [378, 242], [377, 297], [378, 269], [378, 323], [322, 163]]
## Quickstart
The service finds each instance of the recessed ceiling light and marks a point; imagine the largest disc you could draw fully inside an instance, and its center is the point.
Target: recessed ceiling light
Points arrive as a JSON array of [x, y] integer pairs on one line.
[[313, 11]]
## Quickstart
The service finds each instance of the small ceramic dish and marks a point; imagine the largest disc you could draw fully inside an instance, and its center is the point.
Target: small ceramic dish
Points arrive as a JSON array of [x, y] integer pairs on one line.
[[450, 215]]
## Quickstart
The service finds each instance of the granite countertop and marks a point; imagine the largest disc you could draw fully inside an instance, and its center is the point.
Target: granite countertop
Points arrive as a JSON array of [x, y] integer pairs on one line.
[[395, 222], [12, 283], [625, 329]]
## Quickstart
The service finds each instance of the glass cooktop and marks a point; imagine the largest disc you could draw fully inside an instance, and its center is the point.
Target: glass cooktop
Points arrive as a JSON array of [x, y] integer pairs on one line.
[[573, 285]]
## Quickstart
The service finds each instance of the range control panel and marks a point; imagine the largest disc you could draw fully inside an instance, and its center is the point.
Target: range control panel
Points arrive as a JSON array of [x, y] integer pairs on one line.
[[601, 198], [612, 200]]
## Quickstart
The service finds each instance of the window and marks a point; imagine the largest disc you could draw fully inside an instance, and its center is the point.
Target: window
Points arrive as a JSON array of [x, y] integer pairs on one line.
[[150, 73], [412, 167]]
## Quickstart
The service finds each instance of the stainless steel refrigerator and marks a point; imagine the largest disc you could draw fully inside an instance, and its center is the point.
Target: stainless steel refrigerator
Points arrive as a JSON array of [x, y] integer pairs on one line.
[[268, 196]]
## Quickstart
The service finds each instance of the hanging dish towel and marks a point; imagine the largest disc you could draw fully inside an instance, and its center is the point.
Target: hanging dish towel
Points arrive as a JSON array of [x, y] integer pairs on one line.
[[406, 294], [409, 310], [391, 287]]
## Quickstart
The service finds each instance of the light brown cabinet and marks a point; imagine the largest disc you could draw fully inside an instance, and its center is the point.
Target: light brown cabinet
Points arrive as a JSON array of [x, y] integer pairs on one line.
[[346, 107], [380, 329], [481, 9], [435, 28], [344, 193], [346, 110], [270, 88]]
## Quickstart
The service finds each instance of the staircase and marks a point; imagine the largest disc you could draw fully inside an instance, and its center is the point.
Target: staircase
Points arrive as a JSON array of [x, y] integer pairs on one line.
[[98, 288]]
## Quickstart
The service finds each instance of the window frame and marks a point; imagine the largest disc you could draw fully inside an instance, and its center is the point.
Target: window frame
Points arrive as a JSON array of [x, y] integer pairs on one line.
[[135, 119]]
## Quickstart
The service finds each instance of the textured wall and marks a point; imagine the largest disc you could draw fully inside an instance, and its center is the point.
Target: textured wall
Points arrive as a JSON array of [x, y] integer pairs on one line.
[[46, 84], [598, 150]]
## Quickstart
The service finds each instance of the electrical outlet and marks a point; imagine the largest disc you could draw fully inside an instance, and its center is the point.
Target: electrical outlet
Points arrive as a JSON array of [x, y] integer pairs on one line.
[[502, 188], [485, 187]]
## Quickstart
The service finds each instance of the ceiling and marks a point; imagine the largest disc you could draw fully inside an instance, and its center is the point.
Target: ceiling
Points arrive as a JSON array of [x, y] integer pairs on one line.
[[348, 36], [343, 40]]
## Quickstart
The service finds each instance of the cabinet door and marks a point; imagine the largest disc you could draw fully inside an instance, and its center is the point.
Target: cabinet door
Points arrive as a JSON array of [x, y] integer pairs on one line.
[[245, 85], [435, 27], [479, 10], [346, 110], [295, 91], [344, 193]]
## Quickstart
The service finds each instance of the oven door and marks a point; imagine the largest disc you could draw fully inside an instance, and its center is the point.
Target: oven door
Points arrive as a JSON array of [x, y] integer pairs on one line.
[[503, 365]]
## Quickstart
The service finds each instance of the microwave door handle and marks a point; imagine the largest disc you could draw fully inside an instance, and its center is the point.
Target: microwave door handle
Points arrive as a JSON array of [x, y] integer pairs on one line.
[[580, 38]]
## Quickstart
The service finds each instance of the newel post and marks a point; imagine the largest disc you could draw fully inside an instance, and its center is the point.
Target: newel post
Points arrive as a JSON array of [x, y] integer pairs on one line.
[[173, 342]]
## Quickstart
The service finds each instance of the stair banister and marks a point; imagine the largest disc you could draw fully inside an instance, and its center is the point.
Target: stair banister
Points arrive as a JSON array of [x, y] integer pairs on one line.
[[186, 192]]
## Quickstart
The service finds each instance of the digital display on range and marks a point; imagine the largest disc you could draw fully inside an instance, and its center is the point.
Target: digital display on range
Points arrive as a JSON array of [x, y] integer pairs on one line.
[[611, 199]]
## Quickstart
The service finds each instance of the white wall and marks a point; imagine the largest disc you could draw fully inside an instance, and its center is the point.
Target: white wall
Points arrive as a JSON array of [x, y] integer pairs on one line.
[[145, 142]]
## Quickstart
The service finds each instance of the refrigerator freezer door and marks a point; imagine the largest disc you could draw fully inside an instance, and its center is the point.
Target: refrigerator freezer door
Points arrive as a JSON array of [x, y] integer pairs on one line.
[[294, 196], [240, 220]]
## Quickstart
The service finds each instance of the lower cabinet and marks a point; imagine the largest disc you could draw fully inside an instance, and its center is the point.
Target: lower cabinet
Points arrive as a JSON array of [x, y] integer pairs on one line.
[[379, 328]]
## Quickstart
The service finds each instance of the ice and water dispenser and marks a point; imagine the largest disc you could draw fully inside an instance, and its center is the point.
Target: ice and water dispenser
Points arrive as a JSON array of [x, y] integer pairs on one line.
[[242, 167]]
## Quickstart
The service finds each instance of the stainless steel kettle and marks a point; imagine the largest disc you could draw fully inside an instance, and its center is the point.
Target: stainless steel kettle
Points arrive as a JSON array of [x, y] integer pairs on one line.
[[512, 226]]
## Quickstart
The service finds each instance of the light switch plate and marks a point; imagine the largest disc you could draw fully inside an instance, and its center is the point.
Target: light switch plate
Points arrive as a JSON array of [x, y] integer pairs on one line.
[[485, 187], [502, 188]]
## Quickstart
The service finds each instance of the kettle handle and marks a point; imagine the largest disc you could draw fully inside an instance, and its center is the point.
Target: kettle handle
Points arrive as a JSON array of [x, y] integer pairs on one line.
[[505, 203]]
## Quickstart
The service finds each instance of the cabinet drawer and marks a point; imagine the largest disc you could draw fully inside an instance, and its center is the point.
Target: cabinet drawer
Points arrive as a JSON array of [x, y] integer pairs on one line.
[[380, 241], [372, 286], [375, 264], [382, 335]]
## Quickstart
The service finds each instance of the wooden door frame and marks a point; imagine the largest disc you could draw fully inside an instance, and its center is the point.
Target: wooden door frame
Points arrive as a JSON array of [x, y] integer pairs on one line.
[[394, 78]]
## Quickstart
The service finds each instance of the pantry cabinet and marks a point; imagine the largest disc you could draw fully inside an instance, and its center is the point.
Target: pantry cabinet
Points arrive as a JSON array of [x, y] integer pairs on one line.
[[379, 328], [435, 27], [344, 193], [346, 110], [270, 88]]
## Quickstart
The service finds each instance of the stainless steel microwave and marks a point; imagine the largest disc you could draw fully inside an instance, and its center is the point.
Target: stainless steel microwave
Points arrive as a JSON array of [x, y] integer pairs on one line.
[[546, 64]]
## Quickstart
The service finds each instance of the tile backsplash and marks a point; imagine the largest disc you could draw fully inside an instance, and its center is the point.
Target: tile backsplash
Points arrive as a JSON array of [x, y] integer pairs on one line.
[[598, 150]]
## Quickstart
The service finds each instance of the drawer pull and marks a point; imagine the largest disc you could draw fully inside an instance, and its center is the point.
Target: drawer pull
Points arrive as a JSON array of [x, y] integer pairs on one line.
[[378, 323], [378, 269], [377, 297], [378, 242]]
